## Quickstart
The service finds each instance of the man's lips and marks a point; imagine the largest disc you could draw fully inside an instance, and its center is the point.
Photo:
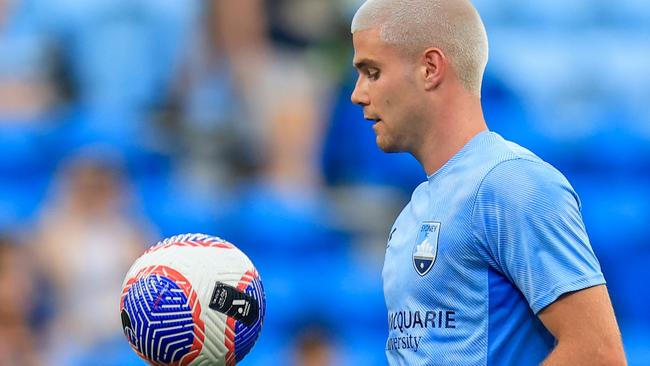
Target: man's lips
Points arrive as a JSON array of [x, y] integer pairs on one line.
[[375, 123]]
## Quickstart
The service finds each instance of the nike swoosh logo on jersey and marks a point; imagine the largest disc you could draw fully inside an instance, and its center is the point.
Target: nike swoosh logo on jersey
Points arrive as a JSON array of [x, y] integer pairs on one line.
[[390, 237]]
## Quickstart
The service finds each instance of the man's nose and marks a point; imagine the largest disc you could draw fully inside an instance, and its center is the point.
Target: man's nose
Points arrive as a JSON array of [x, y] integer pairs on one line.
[[359, 95]]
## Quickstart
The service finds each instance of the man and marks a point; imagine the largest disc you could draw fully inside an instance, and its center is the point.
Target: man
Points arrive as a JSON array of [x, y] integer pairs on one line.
[[490, 262]]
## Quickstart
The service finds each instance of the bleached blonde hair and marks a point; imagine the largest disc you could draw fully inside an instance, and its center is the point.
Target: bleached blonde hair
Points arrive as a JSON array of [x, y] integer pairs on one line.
[[454, 26]]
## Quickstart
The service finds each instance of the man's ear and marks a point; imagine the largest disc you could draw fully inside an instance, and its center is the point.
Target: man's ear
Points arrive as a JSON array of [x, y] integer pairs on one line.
[[434, 64]]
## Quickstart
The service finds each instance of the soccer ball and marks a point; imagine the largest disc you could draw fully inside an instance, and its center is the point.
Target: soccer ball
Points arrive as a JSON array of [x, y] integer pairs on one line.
[[192, 299]]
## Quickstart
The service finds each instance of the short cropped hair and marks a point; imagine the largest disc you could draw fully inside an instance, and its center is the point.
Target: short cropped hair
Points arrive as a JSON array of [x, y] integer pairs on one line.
[[454, 26]]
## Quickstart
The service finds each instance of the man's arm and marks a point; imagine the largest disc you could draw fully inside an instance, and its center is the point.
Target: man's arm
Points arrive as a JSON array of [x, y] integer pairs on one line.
[[585, 328]]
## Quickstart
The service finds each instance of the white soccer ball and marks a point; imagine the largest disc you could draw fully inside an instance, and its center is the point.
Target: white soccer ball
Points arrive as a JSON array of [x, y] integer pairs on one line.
[[192, 299]]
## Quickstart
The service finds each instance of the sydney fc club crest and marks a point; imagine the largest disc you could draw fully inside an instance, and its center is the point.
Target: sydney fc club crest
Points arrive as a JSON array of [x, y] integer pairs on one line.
[[426, 247]]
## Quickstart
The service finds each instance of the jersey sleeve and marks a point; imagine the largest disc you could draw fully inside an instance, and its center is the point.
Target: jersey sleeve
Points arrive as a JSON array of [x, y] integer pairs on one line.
[[527, 221]]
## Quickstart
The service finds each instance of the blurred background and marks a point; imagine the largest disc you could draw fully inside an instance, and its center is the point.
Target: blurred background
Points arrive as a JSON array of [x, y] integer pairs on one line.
[[126, 121]]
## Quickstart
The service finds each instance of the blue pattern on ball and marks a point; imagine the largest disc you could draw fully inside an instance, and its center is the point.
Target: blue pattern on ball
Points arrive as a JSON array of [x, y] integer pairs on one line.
[[161, 319], [245, 336]]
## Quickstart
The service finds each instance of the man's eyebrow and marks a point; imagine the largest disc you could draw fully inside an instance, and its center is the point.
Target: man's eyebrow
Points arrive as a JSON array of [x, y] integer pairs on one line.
[[364, 63]]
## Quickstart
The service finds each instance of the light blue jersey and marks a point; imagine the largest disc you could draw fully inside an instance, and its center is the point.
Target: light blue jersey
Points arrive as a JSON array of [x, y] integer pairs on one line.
[[492, 238]]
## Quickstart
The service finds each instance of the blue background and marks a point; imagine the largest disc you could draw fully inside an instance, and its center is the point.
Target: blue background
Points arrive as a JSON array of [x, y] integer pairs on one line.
[[247, 132]]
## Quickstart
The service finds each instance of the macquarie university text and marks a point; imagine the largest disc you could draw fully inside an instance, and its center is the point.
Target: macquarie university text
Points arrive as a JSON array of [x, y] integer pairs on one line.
[[404, 321]]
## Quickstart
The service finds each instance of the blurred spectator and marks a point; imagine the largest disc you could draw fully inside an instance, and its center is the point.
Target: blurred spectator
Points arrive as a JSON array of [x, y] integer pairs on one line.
[[18, 344], [27, 90], [205, 116], [89, 235], [272, 58], [119, 55], [314, 348], [285, 221]]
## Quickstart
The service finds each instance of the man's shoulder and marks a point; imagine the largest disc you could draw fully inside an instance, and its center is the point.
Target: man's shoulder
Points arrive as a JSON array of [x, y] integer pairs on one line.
[[511, 170], [498, 150], [507, 161], [523, 182]]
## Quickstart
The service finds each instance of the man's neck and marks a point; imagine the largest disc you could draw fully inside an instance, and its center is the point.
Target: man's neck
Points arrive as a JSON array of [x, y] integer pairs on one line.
[[456, 124]]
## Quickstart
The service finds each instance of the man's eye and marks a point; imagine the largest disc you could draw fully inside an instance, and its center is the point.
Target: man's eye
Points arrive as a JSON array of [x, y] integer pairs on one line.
[[373, 74]]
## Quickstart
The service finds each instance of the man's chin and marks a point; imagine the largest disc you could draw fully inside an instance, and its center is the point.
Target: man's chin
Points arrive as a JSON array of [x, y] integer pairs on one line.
[[387, 147]]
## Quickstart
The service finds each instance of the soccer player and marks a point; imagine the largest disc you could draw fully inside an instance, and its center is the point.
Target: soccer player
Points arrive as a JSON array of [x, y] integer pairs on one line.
[[489, 264]]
